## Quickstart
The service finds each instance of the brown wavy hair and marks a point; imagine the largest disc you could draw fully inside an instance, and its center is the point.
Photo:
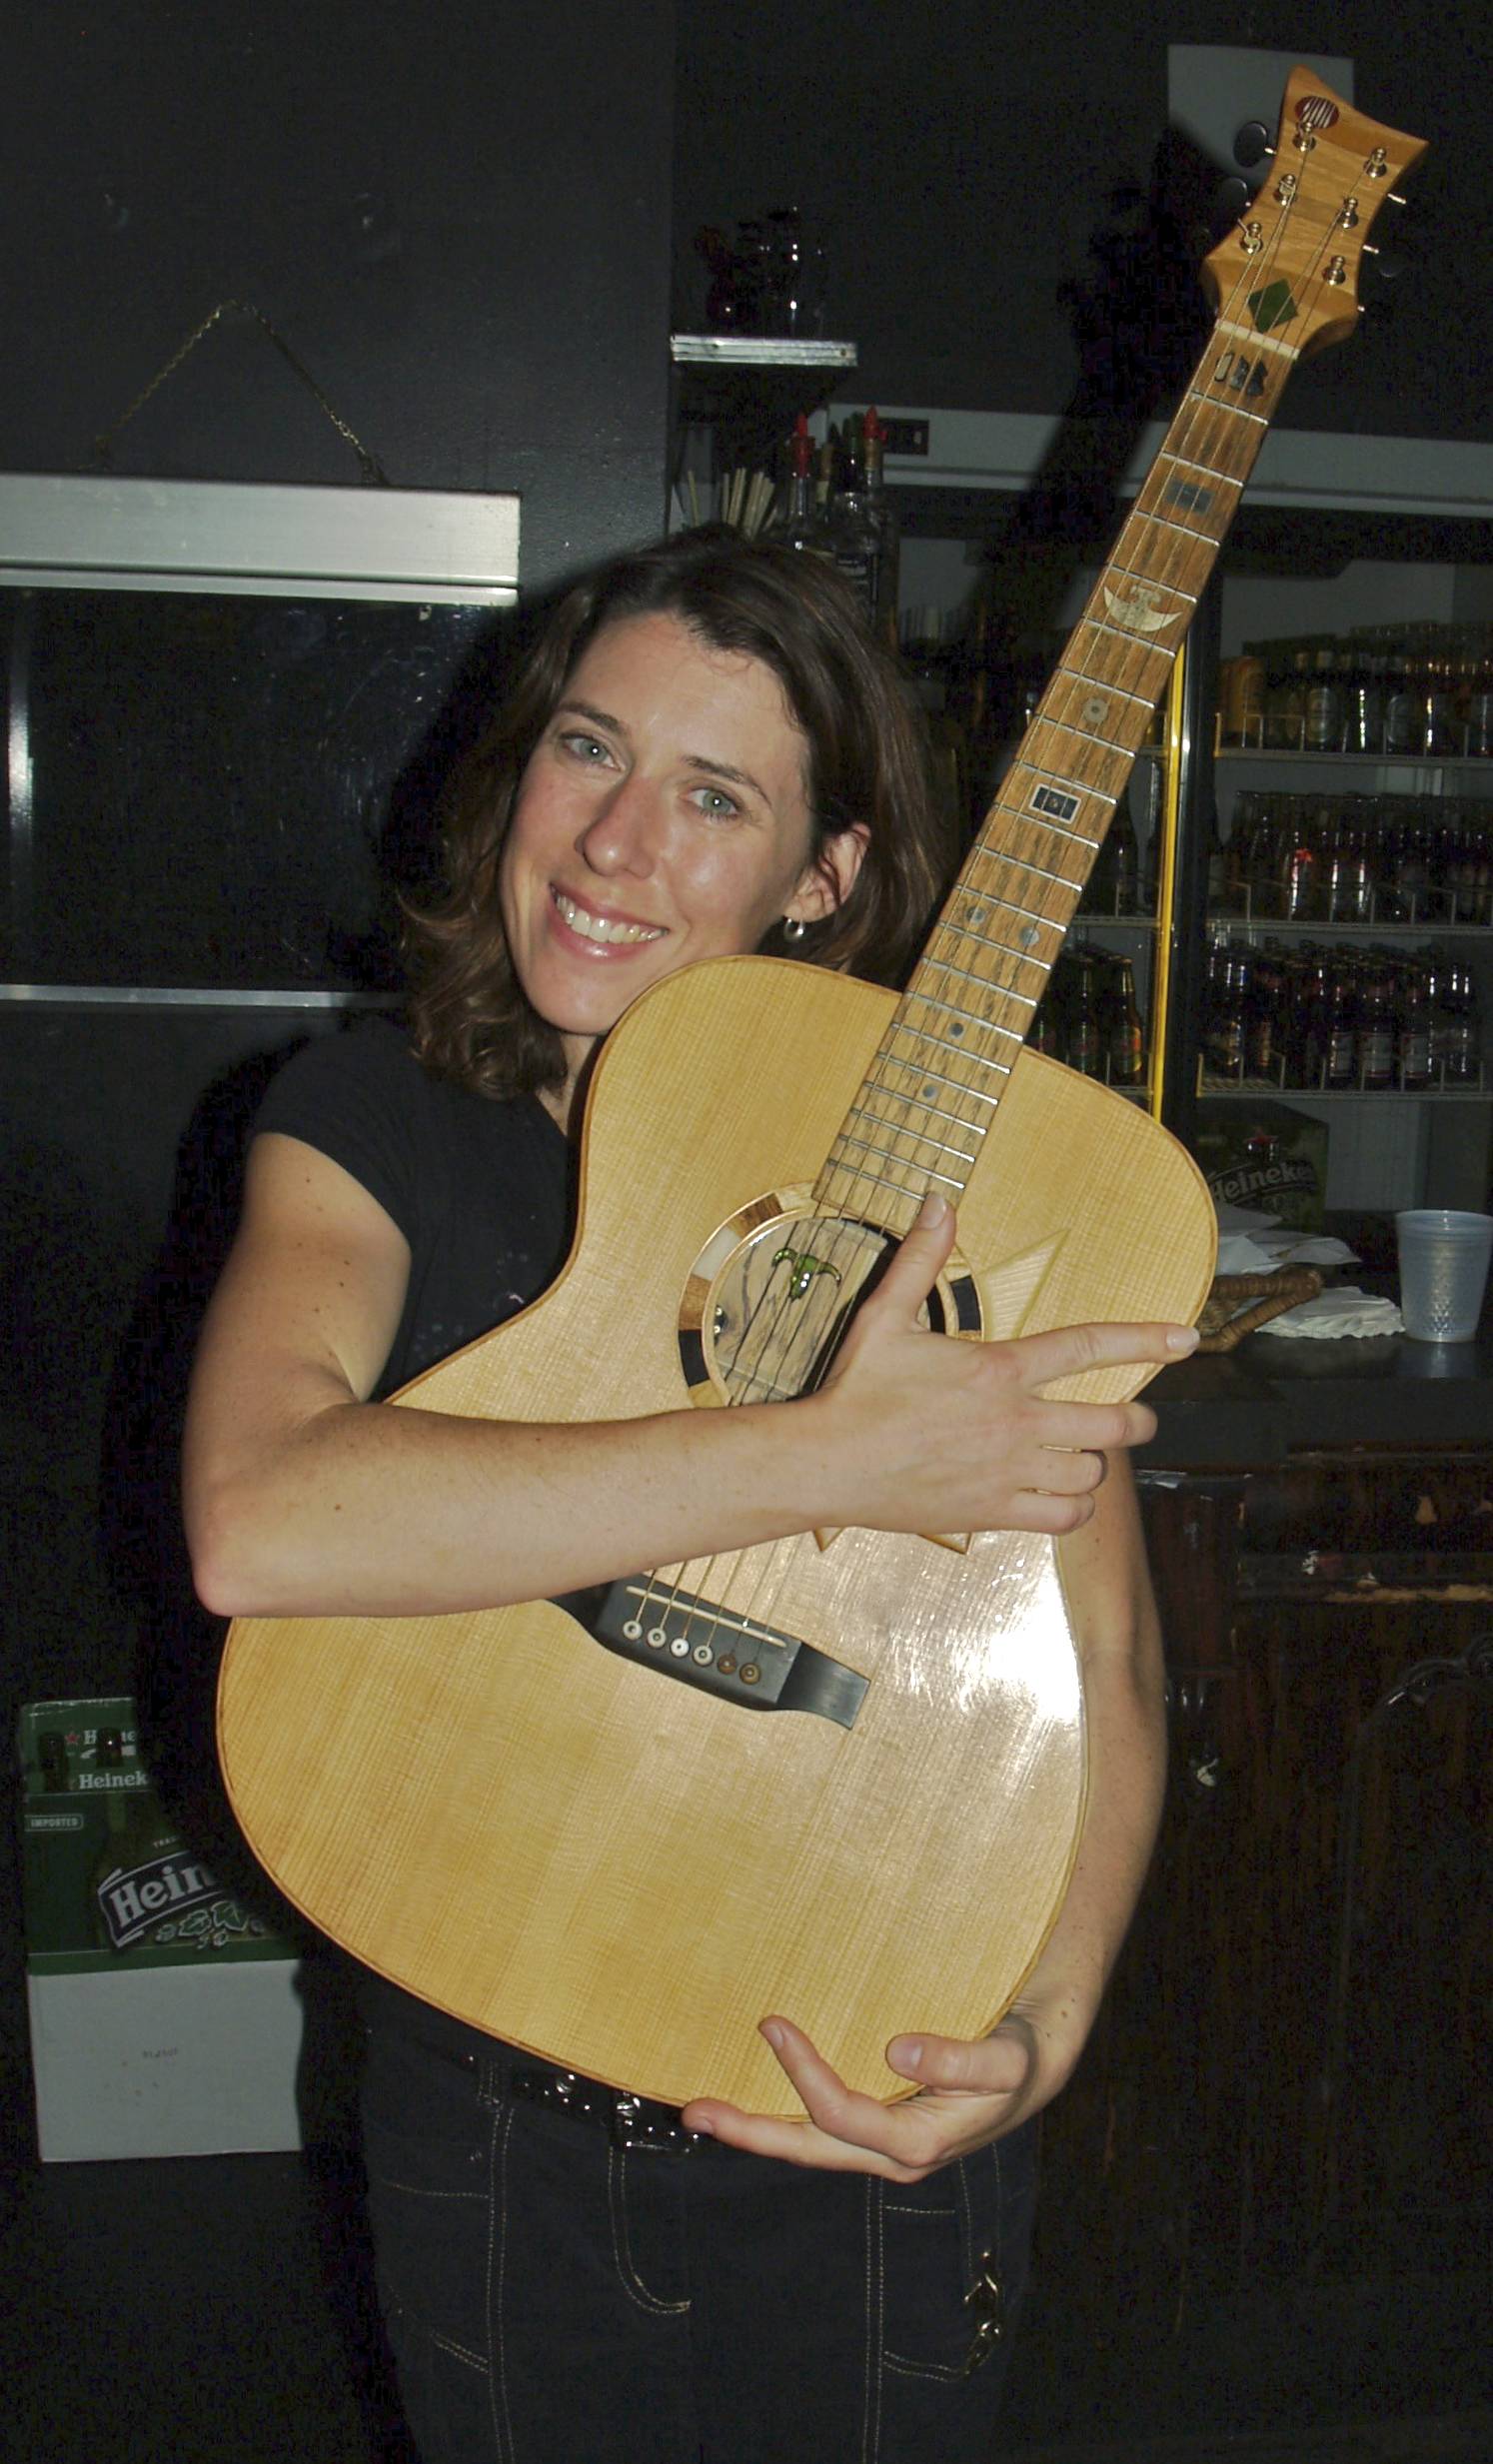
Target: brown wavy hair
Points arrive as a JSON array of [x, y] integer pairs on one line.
[[867, 763]]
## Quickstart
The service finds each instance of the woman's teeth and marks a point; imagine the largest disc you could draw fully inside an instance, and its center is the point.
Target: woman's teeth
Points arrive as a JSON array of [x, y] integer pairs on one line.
[[595, 928]]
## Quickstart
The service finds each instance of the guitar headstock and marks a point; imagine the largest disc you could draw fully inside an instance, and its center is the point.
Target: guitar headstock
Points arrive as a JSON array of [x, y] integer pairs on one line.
[[1290, 267]]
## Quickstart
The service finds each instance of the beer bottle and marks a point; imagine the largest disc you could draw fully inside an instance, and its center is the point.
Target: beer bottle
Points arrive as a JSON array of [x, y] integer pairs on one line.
[[1323, 714], [1414, 1051], [1376, 1029], [1479, 719], [1340, 1041], [1085, 1045], [1456, 1028], [1296, 861], [1401, 734], [1125, 1046], [1363, 699], [1437, 694], [1264, 1021]]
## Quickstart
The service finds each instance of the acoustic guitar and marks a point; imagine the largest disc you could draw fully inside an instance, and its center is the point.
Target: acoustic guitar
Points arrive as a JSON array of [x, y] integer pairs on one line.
[[841, 1776]]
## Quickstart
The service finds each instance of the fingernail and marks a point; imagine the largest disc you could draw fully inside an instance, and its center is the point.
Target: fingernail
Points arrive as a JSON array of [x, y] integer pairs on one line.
[[774, 2034], [909, 2052], [1182, 1339], [705, 2129], [933, 1210]]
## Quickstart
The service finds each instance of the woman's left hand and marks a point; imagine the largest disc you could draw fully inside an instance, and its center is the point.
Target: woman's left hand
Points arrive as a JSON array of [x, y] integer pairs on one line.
[[968, 2095]]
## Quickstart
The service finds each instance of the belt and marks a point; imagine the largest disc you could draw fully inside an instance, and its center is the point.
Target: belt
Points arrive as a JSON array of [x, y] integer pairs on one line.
[[629, 2121]]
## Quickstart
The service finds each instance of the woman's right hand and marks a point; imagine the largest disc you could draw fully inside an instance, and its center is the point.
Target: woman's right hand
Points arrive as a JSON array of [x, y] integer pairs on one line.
[[933, 1434]]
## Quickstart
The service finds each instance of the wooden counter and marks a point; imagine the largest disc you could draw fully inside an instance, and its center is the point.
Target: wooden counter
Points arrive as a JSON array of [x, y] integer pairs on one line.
[[1292, 2072]]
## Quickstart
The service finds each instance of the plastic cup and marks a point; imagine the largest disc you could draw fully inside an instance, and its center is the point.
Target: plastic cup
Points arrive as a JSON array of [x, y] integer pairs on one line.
[[1443, 1268]]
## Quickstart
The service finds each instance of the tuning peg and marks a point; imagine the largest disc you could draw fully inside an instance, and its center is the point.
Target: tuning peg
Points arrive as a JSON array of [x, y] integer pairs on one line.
[[1231, 200], [1252, 143]]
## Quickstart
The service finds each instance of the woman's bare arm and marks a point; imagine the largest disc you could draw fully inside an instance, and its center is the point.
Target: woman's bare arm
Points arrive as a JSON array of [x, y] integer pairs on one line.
[[303, 1498]]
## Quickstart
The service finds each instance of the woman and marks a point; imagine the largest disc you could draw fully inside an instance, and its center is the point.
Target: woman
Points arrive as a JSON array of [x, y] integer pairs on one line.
[[705, 756]]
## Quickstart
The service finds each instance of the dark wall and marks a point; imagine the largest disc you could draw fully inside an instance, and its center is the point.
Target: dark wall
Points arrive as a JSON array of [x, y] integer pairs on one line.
[[457, 216], [969, 164]]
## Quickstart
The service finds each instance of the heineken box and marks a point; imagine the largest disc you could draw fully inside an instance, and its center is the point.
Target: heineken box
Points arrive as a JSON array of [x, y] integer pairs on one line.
[[165, 2017], [1265, 1157]]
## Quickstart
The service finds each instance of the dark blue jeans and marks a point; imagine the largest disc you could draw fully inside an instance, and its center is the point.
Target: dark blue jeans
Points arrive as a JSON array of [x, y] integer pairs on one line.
[[554, 2297]]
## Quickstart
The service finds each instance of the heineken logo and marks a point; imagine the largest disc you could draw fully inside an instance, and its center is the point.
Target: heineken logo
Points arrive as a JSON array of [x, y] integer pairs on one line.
[[132, 1904], [1262, 1180]]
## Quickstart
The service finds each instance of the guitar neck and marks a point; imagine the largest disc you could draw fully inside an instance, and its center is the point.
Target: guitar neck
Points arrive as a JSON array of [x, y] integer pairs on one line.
[[1282, 279]]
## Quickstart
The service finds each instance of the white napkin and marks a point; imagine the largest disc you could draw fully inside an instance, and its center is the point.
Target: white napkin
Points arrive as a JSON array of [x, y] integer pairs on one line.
[[1243, 1253], [1346, 1311]]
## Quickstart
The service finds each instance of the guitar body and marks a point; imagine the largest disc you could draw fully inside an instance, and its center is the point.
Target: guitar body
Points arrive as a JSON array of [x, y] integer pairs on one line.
[[592, 1856]]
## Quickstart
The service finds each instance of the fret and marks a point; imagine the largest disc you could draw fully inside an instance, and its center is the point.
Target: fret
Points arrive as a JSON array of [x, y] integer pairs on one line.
[[856, 1173], [966, 1017], [1167, 522], [925, 1035], [1113, 766], [1070, 674], [967, 975], [965, 933], [1231, 410], [914, 1137], [1180, 462], [890, 1061], [1061, 880], [935, 1112], [1152, 582]]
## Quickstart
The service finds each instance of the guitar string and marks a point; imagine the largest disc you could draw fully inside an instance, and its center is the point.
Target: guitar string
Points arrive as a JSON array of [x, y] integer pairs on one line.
[[1196, 414]]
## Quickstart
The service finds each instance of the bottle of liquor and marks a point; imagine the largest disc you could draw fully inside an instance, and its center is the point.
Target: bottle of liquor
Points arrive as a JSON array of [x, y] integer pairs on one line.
[[797, 525], [851, 532], [883, 519]]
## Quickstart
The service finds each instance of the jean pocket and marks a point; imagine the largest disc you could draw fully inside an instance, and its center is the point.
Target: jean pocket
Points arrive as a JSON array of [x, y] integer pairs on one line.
[[954, 2252]]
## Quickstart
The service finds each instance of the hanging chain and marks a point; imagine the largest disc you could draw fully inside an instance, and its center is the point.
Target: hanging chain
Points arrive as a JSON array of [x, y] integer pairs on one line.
[[374, 474]]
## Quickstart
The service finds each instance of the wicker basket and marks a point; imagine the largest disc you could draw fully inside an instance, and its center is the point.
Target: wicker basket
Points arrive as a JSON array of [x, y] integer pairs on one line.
[[1237, 1304]]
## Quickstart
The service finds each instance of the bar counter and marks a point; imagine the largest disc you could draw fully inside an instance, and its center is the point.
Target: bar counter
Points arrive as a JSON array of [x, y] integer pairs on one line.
[[1290, 2073]]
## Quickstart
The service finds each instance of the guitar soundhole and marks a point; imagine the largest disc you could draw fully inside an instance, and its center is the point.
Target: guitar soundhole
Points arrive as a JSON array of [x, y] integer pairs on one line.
[[772, 1297]]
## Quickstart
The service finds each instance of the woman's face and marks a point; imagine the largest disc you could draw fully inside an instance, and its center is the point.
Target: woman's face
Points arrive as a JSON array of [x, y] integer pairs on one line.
[[662, 818]]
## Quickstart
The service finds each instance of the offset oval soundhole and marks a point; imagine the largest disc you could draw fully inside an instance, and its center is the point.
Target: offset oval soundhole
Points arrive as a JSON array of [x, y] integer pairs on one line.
[[771, 1296]]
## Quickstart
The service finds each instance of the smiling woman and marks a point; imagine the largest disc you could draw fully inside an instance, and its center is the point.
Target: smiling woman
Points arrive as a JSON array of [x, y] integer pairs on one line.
[[802, 719], [662, 817], [706, 748]]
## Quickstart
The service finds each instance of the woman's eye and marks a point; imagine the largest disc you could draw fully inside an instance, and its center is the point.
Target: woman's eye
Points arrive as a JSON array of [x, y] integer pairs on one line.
[[584, 747], [717, 804]]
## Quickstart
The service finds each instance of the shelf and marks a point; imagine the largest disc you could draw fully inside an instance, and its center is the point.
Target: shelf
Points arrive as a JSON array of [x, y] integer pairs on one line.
[[1254, 1090], [1276, 756], [1307, 928], [757, 350]]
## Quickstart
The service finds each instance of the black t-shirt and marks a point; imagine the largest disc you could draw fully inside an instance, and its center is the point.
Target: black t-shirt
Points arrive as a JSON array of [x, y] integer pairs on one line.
[[480, 1189]]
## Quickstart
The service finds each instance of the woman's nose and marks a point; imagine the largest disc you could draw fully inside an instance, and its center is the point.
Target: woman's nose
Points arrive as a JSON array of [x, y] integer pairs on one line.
[[623, 835]]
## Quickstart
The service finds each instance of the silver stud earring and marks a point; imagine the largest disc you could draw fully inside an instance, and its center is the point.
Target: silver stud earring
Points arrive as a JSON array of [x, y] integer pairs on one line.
[[792, 928]]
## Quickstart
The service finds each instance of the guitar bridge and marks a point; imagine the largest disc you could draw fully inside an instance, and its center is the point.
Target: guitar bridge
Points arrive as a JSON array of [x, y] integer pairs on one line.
[[735, 1657]]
